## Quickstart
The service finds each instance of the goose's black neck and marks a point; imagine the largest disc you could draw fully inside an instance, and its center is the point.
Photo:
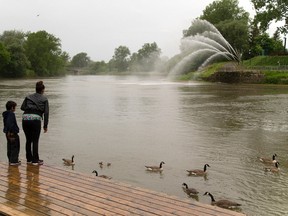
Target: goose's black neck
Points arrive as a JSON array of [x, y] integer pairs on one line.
[[212, 198]]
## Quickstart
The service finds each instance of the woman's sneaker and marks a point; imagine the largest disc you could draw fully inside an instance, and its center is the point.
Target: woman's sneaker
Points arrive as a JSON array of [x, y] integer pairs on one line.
[[39, 162]]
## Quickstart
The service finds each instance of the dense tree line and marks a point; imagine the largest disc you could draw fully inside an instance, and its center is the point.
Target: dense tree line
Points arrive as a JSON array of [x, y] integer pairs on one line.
[[31, 54], [39, 53]]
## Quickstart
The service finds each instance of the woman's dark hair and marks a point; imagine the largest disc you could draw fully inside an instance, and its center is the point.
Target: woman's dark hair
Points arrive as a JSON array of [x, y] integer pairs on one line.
[[40, 87], [10, 105]]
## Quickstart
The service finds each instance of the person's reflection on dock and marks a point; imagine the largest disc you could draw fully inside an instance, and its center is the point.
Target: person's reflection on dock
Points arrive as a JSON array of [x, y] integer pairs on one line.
[[33, 193], [13, 185]]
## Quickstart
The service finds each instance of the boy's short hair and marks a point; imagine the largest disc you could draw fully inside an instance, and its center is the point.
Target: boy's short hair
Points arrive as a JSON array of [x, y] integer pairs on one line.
[[10, 105]]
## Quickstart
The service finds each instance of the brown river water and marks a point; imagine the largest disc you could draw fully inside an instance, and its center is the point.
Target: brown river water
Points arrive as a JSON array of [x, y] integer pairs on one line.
[[133, 121]]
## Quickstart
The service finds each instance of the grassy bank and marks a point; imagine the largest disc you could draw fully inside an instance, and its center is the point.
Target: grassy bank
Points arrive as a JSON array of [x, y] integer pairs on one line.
[[274, 69]]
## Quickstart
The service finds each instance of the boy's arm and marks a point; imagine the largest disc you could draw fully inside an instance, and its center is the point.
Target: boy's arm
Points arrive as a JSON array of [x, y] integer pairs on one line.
[[11, 124]]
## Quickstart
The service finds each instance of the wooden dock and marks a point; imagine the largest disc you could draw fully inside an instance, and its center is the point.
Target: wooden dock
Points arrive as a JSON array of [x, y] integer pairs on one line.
[[46, 190]]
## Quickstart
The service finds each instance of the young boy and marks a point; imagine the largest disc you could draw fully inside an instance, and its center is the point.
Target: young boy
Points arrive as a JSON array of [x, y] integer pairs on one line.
[[11, 130]]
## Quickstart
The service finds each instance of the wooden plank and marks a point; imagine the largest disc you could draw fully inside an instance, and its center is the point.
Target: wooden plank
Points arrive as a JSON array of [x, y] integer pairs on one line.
[[68, 192], [64, 205], [155, 195], [128, 199]]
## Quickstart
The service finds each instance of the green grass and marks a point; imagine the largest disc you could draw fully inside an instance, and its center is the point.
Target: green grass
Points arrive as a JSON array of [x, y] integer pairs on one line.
[[266, 61], [196, 75], [276, 77]]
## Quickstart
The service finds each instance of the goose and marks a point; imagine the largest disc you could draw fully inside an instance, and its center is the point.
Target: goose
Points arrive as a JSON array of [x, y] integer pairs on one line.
[[189, 191], [155, 168], [222, 203], [101, 164], [269, 160], [102, 176], [273, 169], [198, 172], [69, 162], [108, 164]]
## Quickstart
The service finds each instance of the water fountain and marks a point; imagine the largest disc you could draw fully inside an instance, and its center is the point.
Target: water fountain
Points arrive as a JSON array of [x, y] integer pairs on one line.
[[202, 48]]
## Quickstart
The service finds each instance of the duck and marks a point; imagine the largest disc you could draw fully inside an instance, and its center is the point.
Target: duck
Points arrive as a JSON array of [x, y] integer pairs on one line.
[[189, 191], [275, 169], [69, 162], [222, 203], [101, 176], [269, 160], [155, 168], [198, 172]]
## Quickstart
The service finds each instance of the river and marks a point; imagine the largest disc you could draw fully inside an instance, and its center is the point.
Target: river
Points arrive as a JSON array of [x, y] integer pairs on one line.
[[132, 121]]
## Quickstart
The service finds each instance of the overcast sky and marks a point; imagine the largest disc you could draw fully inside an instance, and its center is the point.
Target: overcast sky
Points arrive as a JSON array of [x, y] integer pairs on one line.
[[97, 27]]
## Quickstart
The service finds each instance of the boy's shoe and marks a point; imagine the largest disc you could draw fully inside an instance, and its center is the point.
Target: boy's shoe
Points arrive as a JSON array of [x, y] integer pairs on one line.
[[29, 162], [15, 164], [39, 162]]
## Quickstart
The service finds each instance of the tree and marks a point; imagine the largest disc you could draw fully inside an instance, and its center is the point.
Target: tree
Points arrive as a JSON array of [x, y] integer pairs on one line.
[[80, 60], [231, 20], [44, 52], [223, 10], [268, 45], [14, 43], [98, 67], [148, 56], [120, 59], [4, 56], [236, 33], [268, 11]]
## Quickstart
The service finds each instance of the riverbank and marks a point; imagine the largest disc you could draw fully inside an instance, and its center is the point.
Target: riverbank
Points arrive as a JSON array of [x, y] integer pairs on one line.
[[258, 70]]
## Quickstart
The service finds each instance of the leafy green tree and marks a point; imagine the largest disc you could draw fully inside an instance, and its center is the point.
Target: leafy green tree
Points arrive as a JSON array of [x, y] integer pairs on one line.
[[223, 10], [148, 56], [14, 42], [80, 60], [44, 52], [268, 11], [98, 67], [4, 56], [236, 32], [268, 45], [120, 59], [231, 20]]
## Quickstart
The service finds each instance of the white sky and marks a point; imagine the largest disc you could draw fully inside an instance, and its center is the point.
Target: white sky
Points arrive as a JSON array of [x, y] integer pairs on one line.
[[97, 27]]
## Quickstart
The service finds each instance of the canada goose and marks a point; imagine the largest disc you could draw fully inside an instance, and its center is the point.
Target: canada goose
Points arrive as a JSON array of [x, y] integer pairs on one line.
[[155, 168], [268, 160], [222, 203], [69, 162], [102, 176], [189, 191], [273, 169], [198, 172]]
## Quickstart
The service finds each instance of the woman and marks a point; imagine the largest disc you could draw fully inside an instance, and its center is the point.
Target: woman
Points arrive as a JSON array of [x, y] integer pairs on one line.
[[35, 107]]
